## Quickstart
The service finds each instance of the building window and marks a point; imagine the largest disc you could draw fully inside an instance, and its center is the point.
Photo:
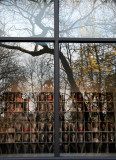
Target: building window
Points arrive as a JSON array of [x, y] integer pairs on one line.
[[57, 77], [87, 118]]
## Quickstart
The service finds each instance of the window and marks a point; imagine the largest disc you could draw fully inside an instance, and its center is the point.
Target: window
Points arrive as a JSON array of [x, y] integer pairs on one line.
[[87, 112], [57, 77]]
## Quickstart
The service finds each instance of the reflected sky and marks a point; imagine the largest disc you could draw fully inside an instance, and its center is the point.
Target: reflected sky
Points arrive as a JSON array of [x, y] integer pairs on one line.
[[35, 70], [26, 18], [87, 19], [93, 19], [93, 66]]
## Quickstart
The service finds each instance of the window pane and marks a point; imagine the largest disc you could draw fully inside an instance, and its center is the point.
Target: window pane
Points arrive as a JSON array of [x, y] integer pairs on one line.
[[87, 98], [87, 19], [26, 18], [26, 98]]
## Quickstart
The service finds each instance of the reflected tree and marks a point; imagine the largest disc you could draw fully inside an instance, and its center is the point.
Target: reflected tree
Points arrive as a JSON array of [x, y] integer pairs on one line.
[[34, 18], [87, 18], [11, 72], [38, 70], [27, 18], [91, 64]]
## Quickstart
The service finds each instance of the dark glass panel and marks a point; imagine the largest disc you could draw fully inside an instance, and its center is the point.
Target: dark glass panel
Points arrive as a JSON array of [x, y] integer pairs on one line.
[[87, 97], [26, 98]]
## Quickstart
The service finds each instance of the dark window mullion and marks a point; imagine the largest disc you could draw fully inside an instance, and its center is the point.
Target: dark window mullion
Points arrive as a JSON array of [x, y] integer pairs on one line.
[[26, 39], [56, 77], [87, 40]]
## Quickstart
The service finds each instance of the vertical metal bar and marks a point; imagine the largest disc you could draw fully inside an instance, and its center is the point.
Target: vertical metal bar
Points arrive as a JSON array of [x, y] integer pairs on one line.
[[56, 78], [114, 96]]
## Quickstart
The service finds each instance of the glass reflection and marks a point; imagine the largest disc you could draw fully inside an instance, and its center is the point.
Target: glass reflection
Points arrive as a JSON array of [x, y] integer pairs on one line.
[[26, 18], [26, 98], [91, 19], [87, 109]]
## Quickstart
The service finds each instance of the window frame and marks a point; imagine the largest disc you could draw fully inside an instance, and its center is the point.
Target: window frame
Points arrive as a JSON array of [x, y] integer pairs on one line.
[[57, 40]]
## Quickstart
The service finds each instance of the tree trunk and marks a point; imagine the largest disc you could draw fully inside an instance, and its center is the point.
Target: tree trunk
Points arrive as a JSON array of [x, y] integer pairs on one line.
[[69, 73], [48, 50]]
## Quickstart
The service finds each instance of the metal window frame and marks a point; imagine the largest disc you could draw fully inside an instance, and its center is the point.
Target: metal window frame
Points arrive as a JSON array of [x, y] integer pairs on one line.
[[57, 40]]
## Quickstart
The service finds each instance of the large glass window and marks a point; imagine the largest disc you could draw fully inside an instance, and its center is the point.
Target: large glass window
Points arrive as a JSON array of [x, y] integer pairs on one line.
[[26, 99], [87, 101], [57, 78]]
